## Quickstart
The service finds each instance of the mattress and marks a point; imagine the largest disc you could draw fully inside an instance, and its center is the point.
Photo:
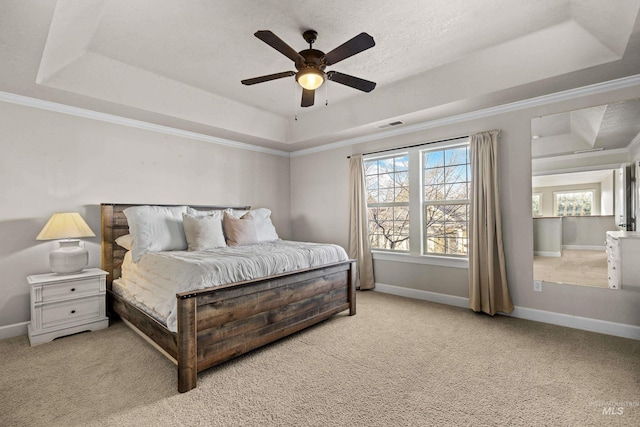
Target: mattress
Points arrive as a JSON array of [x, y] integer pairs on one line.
[[152, 283]]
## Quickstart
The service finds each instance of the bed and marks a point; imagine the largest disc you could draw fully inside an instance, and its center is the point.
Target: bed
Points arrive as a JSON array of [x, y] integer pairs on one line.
[[218, 323]]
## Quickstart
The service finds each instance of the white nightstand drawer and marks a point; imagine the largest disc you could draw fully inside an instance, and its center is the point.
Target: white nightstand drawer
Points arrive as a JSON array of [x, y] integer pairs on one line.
[[68, 312], [66, 304], [71, 289], [613, 248]]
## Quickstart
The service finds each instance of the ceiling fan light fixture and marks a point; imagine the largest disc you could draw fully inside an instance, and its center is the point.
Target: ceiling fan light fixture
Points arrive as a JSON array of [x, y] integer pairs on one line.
[[310, 78]]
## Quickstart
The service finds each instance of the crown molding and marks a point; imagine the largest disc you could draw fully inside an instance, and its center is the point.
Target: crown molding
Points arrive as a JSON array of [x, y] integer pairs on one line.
[[26, 101], [593, 89], [597, 88], [634, 142]]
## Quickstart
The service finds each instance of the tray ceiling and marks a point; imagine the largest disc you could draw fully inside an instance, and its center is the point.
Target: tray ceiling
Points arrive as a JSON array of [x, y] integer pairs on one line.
[[180, 63]]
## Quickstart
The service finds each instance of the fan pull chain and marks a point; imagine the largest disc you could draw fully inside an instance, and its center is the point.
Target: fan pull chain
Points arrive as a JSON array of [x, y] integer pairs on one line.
[[326, 93], [295, 102]]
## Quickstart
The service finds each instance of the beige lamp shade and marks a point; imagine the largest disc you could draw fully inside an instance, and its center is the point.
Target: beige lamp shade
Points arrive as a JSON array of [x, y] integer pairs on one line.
[[66, 225], [70, 257]]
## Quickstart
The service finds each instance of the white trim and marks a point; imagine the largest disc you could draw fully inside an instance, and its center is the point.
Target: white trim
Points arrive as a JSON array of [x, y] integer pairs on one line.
[[15, 330], [560, 319], [124, 121], [423, 295], [577, 322], [635, 141], [577, 169], [580, 156], [593, 89], [584, 247], [421, 259], [547, 253]]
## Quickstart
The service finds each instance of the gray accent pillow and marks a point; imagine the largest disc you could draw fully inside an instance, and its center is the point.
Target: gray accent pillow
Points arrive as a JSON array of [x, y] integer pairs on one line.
[[239, 231]]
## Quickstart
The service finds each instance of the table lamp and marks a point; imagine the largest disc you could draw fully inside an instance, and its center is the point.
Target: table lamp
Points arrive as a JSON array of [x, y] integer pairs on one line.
[[70, 257]]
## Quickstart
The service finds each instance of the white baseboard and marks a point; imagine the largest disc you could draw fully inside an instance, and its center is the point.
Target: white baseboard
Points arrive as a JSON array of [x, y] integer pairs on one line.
[[547, 253], [577, 322], [560, 319], [15, 330], [423, 295], [583, 247]]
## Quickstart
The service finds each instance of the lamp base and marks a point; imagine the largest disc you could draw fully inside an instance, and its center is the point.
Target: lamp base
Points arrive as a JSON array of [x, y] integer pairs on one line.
[[69, 258]]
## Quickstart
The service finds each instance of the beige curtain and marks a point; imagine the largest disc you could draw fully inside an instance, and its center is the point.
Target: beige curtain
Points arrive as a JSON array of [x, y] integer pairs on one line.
[[488, 291], [359, 248]]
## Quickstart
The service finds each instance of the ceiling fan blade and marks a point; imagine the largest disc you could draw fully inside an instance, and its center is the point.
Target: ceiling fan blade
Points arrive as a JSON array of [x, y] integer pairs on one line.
[[307, 97], [276, 42], [362, 41], [267, 78], [351, 81]]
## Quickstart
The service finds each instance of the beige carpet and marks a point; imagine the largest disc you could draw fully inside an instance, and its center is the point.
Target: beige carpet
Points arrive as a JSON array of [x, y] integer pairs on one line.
[[576, 267], [398, 362]]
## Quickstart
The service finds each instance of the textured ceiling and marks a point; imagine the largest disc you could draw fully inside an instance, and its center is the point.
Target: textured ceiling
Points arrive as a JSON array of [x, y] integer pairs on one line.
[[180, 64], [604, 127]]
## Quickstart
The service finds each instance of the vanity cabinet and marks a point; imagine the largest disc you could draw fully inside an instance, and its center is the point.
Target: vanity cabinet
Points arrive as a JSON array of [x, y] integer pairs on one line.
[[623, 259]]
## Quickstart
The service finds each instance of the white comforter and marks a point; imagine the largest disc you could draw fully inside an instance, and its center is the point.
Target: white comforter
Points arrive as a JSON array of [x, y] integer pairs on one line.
[[152, 283]]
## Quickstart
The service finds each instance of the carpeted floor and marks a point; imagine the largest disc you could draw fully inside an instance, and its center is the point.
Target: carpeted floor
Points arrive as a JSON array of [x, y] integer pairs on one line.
[[576, 267], [398, 362]]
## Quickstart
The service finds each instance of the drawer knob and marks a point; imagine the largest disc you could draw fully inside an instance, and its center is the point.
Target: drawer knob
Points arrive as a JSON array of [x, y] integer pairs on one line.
[[73, 311], [73, 289]]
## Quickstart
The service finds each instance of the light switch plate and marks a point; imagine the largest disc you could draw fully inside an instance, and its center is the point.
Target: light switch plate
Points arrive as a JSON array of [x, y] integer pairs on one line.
[[537, 285]]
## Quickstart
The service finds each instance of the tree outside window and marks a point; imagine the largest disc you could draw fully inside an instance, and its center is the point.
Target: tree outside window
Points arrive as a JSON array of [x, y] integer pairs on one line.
[[387, 182], [536, 204], [574, 203], [447, 183], [440, 177]]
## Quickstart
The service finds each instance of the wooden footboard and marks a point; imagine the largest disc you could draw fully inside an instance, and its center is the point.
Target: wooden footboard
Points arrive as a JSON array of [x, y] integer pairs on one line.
[[218, 324]]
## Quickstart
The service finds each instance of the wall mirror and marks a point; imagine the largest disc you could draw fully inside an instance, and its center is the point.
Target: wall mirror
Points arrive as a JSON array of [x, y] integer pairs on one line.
[[582, 186]]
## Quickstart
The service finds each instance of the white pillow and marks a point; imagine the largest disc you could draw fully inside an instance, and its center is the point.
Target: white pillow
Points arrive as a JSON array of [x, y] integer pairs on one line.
[[203, 232], [125, 241], [155, 228], [195, 212], [265, 230]]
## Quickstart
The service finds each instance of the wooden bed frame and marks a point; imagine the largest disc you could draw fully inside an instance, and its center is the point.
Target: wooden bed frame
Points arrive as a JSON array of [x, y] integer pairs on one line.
[[219, 323]]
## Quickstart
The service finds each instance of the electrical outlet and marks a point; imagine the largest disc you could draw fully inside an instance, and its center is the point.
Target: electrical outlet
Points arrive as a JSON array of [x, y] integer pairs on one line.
[[537, 285]]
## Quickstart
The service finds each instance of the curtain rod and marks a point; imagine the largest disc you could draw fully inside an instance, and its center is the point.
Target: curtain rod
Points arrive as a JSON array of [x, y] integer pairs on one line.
[[414, 145], [421, 144]]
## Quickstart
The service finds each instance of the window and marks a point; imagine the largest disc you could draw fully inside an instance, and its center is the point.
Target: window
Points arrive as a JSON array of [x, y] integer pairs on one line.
[[387, 183], [447, 183], [418, 200], [536, 204], [573, 203]]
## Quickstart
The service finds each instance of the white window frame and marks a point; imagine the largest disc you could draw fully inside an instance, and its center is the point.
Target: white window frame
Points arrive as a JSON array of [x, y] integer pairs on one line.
[[425, 203], [394, 204], [580, 190], [415, 255], [539, 196]]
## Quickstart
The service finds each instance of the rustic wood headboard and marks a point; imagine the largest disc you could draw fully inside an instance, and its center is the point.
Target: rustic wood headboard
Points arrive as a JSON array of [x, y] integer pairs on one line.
[[114, 225]]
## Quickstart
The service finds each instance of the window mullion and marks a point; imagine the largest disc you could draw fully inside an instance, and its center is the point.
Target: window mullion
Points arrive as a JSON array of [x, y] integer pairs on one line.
[[415, 202]]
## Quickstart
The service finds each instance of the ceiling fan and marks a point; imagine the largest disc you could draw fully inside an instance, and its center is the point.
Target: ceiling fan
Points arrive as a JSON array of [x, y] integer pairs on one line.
[[311, 63]]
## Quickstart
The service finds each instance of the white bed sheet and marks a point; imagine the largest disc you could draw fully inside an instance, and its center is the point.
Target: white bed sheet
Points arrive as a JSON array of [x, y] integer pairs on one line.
[[152, 283]]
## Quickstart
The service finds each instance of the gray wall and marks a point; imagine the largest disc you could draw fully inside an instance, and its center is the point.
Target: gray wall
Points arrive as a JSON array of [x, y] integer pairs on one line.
[[586, 231], [320, 212], [52, 162], [571, 232], [547, 236]]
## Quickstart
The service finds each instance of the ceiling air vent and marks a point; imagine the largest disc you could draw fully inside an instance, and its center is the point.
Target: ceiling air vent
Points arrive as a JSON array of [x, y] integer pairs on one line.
[[388, 125]]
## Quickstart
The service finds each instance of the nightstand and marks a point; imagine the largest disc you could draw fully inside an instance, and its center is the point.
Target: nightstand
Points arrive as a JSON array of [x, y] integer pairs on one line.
[[67, 304]]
